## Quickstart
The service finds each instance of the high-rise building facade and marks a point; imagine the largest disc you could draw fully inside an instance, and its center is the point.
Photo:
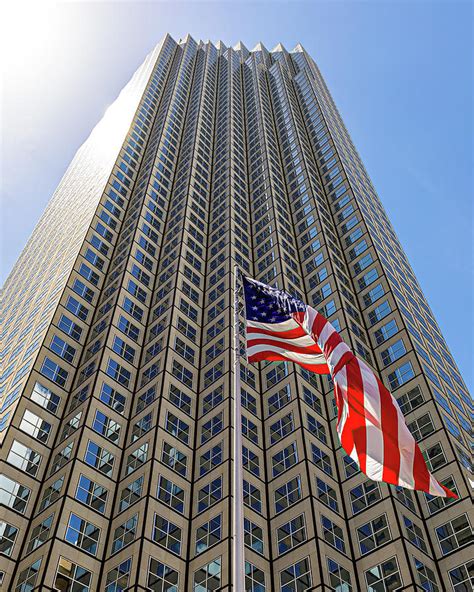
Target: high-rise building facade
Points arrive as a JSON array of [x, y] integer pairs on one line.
[[116, 391]]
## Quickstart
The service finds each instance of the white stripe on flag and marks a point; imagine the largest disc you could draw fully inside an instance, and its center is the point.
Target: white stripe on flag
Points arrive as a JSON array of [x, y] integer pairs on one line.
[[342, 389], [295, 356], [336, 355], [374, 435], [406, 447], [325, 334], [284, 326], [308, 321]]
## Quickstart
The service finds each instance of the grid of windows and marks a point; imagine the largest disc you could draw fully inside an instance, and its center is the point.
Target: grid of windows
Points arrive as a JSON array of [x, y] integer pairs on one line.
[[228, 157]]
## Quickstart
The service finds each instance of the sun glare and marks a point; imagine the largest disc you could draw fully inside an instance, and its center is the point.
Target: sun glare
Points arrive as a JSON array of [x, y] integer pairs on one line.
[[25, 24]]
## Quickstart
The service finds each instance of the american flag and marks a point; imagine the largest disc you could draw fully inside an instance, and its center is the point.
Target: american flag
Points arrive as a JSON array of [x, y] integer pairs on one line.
[[370, 425]]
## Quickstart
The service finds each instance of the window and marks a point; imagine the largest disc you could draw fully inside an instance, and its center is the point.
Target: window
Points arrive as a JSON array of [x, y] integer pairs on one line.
[[288, 494], [128, 328], [13, 495], [434, 457], [208, 577], [142, 426], [379, 312], [333, 534], [27, 578], [254, 578], [291, 534], [384, 577], [277, 373], [82, 534], [171, 494], [161, 577], [339, 577], [454, 534], [212, 399], [124, 350], [373, 534], [106, 427], [125, 533], [131, 493], [91, 494], [279, 399], [210, 459], [7, 538], [174, 459], [44, 397], [51, 494], [63, 349], [249, 429], [421, 427], [326, 494], [99, 458], [284, 459], [182, 374], [70, 328], [252, 496], [212, 427], [40, 533], [402, 374], [249, 402], [180, 399], [250, 461], [117, 578], [410, 400], [184, 350], [24, 458], [177, 427], [137, 458], [210, 494], [405, 497], [386, 331], [296, 577], [208, 534], [187, 329], [364, 495], [281, 428], [118, 372], [34, 426], [321, 459], [316, 428], [253, 536], [392, 353], [462, 577], [77, 308], [112, 398], [350, 466], [436, 503], [426, 576], [167, 534]]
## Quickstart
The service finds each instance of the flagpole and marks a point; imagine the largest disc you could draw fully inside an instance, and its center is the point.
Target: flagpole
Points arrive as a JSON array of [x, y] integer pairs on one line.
[[238, 567]]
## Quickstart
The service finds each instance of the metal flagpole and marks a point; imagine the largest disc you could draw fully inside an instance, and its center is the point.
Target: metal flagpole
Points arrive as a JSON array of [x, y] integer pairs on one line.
[[238, 566]]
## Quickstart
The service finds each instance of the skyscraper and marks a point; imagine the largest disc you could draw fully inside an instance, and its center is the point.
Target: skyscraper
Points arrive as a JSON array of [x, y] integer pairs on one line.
[[116, 394]]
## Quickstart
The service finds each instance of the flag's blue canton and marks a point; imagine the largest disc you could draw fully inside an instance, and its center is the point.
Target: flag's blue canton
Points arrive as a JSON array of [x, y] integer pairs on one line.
[[264, 304]]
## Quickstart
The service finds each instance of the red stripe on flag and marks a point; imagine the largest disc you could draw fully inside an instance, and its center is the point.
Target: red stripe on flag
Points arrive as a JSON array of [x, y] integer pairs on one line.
[[389, 423], [300, 349], [420, 471], [356, 419], [345, 436], [318, 326], [274, 357], [331, 343]]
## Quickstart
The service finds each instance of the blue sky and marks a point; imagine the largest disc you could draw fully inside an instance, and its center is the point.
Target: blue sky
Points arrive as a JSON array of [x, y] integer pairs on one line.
[[400, 72]]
